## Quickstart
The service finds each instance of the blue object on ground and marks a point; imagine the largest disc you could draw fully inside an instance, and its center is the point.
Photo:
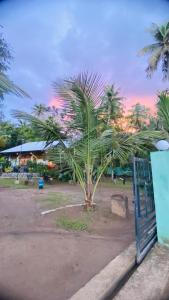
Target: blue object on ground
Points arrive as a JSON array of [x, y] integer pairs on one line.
[[40, 183]]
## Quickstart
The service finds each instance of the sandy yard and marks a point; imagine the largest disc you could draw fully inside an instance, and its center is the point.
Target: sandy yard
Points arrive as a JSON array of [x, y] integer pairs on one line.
[[40, 259]]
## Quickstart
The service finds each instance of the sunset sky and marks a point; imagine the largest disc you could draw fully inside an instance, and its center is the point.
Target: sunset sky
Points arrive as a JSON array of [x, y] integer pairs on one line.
[[51, 40]]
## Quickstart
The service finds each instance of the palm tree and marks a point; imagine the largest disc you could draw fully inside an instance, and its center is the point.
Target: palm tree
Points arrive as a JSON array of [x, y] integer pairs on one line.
[[7, 86], [91, 147], [139, 116], [53, 110], [40, 110], [111, 105], [159, 51], [163, 110]]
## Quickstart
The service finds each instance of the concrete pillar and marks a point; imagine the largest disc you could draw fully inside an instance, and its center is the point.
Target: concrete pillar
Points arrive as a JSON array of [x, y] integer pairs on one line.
[[160, 172]]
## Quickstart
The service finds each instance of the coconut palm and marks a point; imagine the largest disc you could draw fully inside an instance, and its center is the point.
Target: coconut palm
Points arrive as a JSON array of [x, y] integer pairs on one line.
[[91, 147], [139, 116], [163, 110], [54, 111], [7, 86], [111, 106], [40, 110], [159, 51]]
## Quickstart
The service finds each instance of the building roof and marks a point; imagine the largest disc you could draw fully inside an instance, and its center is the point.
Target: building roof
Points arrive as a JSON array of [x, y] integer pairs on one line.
[[30, 147]]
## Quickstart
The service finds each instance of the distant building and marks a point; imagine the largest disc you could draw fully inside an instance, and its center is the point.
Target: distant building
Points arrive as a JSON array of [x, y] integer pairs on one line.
[[34, 151]]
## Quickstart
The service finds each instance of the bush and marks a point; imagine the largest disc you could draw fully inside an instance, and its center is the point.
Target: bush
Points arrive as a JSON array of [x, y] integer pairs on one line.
[[8, 170], [36, 168], [41, 169]]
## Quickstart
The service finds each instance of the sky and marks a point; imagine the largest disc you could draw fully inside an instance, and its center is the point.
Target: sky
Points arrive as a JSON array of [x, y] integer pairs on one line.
[[55, 39]]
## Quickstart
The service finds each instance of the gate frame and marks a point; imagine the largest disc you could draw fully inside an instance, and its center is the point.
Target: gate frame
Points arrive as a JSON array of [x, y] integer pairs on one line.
[[141, 253]]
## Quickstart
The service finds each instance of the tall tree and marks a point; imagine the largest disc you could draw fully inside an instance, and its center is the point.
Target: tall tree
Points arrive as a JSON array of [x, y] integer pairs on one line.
[[39, 110], [54, 111], [159, 50], [6, 85], [5, 55], [163, 110], [91, 147], [2, 142], [139, 116], [111, 105], [14, 134], [5, 58]]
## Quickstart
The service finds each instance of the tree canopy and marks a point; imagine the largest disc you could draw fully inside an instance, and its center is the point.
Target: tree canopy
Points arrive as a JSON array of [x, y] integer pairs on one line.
[[158, 51], [92, 144]]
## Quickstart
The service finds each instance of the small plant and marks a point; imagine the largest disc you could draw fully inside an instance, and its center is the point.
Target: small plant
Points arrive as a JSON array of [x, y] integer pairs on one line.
[[8, 170], [69, 224]]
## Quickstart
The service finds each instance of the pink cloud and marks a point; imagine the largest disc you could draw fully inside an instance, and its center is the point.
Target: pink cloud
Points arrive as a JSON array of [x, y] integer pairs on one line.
[[56, 102], [149, 101]]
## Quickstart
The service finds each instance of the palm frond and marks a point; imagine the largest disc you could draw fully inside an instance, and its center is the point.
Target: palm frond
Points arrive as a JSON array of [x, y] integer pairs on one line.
[[163, 109], [82, 95], [122, 145], [149, 49], [154, 61], [159, 51], [90, 85], [49, 130], [7, 86]]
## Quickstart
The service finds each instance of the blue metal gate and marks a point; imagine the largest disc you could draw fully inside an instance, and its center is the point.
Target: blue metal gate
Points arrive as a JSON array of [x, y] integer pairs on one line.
[[145, 216]]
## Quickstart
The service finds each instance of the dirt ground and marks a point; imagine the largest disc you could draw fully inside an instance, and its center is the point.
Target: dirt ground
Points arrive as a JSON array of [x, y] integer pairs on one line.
[[40, 260]]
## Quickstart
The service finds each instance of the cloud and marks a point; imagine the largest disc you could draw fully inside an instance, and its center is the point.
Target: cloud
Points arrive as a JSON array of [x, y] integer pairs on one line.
[[56, 39], [56, 102]]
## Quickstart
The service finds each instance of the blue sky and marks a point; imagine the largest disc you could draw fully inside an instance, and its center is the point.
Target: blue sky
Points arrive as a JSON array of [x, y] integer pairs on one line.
[[54, 39]]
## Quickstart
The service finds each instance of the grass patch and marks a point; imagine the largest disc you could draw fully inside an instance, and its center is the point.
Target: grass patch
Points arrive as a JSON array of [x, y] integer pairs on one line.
[[118, 185], [10, 183], [56, 199], [72, 224]]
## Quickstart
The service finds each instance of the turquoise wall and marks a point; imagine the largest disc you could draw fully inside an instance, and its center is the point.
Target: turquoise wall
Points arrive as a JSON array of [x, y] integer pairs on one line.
[[160, 172]]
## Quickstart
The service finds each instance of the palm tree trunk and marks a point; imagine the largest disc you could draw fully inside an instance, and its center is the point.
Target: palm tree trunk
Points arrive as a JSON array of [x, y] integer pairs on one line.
[[89, 189], [88, 198]]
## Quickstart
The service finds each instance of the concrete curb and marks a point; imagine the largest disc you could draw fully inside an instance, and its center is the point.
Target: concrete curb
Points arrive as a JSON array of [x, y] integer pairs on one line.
[[104, 283]]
